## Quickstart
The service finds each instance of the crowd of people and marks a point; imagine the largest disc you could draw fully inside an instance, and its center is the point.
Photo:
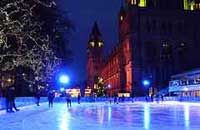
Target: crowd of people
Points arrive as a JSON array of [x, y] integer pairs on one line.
[[11, 107]]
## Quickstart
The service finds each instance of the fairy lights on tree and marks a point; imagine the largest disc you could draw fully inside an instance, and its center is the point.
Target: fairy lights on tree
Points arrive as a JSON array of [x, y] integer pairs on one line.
[[25, 39]]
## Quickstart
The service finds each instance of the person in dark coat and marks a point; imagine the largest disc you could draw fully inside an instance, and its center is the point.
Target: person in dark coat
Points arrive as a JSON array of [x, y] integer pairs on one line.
[[7, 97], [68, 98], [51, 96], [79, 98], [116, 99], [37, 96], [11, 98]]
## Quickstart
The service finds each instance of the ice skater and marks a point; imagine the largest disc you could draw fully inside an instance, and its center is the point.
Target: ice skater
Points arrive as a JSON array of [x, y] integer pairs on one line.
[[37, 96], [116, 99], [79, 98], [51, 96], [11, 99], [68, 98]]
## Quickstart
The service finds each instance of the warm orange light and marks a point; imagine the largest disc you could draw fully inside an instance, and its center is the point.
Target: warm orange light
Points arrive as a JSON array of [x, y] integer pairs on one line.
[[9, 80], [73, 92]]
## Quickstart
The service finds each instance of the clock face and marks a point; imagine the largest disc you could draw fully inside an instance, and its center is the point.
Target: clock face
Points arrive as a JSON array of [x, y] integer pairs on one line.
[[100, 44], [92, 44]]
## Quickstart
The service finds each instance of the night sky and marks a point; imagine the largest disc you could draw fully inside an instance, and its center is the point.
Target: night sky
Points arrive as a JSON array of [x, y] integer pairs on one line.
[[83, 13]]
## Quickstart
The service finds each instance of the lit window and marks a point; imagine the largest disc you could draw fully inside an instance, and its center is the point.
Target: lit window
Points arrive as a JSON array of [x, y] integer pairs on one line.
[[100, 44], [165, 45], [121, 18], [133, 2], [92, 44], [182, 44]]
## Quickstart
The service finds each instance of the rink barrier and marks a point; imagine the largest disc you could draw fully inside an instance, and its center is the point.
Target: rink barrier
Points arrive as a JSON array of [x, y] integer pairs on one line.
[[25, 101]]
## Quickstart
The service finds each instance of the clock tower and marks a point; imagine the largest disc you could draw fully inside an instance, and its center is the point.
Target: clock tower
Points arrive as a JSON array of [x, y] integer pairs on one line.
[[94, 55]]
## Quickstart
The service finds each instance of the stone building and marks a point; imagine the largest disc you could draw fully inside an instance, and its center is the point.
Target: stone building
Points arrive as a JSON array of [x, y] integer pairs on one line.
[[157, 39]]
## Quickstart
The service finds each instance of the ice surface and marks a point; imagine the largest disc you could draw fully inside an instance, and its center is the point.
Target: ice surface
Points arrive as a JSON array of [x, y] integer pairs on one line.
[[102, 116]]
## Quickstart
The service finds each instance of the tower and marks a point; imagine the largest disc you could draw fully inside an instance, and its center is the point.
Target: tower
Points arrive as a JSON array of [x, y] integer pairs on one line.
[[94, 55]]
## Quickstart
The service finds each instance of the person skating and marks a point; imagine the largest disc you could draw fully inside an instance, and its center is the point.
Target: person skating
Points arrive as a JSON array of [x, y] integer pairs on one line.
[[68, 98], [7, 97], [37, 96], [11, 98], [51, 96], [79, 98], [116, 99]]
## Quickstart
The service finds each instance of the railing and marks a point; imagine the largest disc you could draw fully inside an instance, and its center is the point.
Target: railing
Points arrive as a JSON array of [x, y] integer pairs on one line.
[[24, 101]]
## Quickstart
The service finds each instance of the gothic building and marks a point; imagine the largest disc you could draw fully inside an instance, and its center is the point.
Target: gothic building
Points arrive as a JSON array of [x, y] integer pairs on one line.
[[157, 38], [94, 56]]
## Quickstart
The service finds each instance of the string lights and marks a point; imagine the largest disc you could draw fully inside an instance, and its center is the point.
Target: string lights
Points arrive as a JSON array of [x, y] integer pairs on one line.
[[22, 41]]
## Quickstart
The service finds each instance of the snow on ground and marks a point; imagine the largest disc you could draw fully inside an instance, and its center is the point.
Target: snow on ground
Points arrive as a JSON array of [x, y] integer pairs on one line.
[[105, 116]]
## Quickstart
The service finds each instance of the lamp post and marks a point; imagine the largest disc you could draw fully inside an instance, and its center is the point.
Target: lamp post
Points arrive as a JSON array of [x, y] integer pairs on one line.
[[146, 83], [63, 80]]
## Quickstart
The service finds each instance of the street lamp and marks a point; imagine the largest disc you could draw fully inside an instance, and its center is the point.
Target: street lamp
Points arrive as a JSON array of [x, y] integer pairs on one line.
[[64, 79], [146, 83]]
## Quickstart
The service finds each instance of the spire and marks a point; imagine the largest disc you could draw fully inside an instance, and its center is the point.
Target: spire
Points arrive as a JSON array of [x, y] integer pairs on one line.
[[95, 30], [95, 37], [122, 14]]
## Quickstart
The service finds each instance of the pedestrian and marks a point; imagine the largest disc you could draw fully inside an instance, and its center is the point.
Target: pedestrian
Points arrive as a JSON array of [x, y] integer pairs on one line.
[[68, 98], [37, 96], [51, 96], [79, 98]]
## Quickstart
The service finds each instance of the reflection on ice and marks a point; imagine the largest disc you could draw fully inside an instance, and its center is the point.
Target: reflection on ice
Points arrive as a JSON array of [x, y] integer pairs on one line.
[[65, 121], [187, 116], [146, 116], [101, 116], [109, 113]]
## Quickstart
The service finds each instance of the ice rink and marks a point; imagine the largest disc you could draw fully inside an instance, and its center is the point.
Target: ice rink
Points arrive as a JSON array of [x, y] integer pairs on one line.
[[105, 116]]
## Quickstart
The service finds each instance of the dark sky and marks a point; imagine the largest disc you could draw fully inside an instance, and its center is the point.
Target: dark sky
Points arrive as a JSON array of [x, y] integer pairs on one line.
[[83, 13]]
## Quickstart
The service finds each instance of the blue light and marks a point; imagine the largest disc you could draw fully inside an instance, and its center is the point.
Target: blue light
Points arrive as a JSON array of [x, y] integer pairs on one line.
[[64, 79], [146, 82], [62, 89]]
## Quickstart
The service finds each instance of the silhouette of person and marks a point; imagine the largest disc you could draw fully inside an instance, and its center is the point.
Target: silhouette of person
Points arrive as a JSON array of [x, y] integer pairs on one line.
[[37, 96], [11, 99], [116, 99], [79, 98], [69, 102], [7, 97], [51, 96]]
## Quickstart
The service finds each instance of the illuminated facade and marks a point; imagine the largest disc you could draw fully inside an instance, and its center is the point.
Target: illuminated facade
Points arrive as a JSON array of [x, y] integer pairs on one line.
[[157, 39], [94, 56]]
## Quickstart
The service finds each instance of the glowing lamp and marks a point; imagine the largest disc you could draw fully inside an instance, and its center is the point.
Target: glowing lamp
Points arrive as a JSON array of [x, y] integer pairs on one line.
[[109, 86], [146, 82], [64, 79], [62, 89]]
